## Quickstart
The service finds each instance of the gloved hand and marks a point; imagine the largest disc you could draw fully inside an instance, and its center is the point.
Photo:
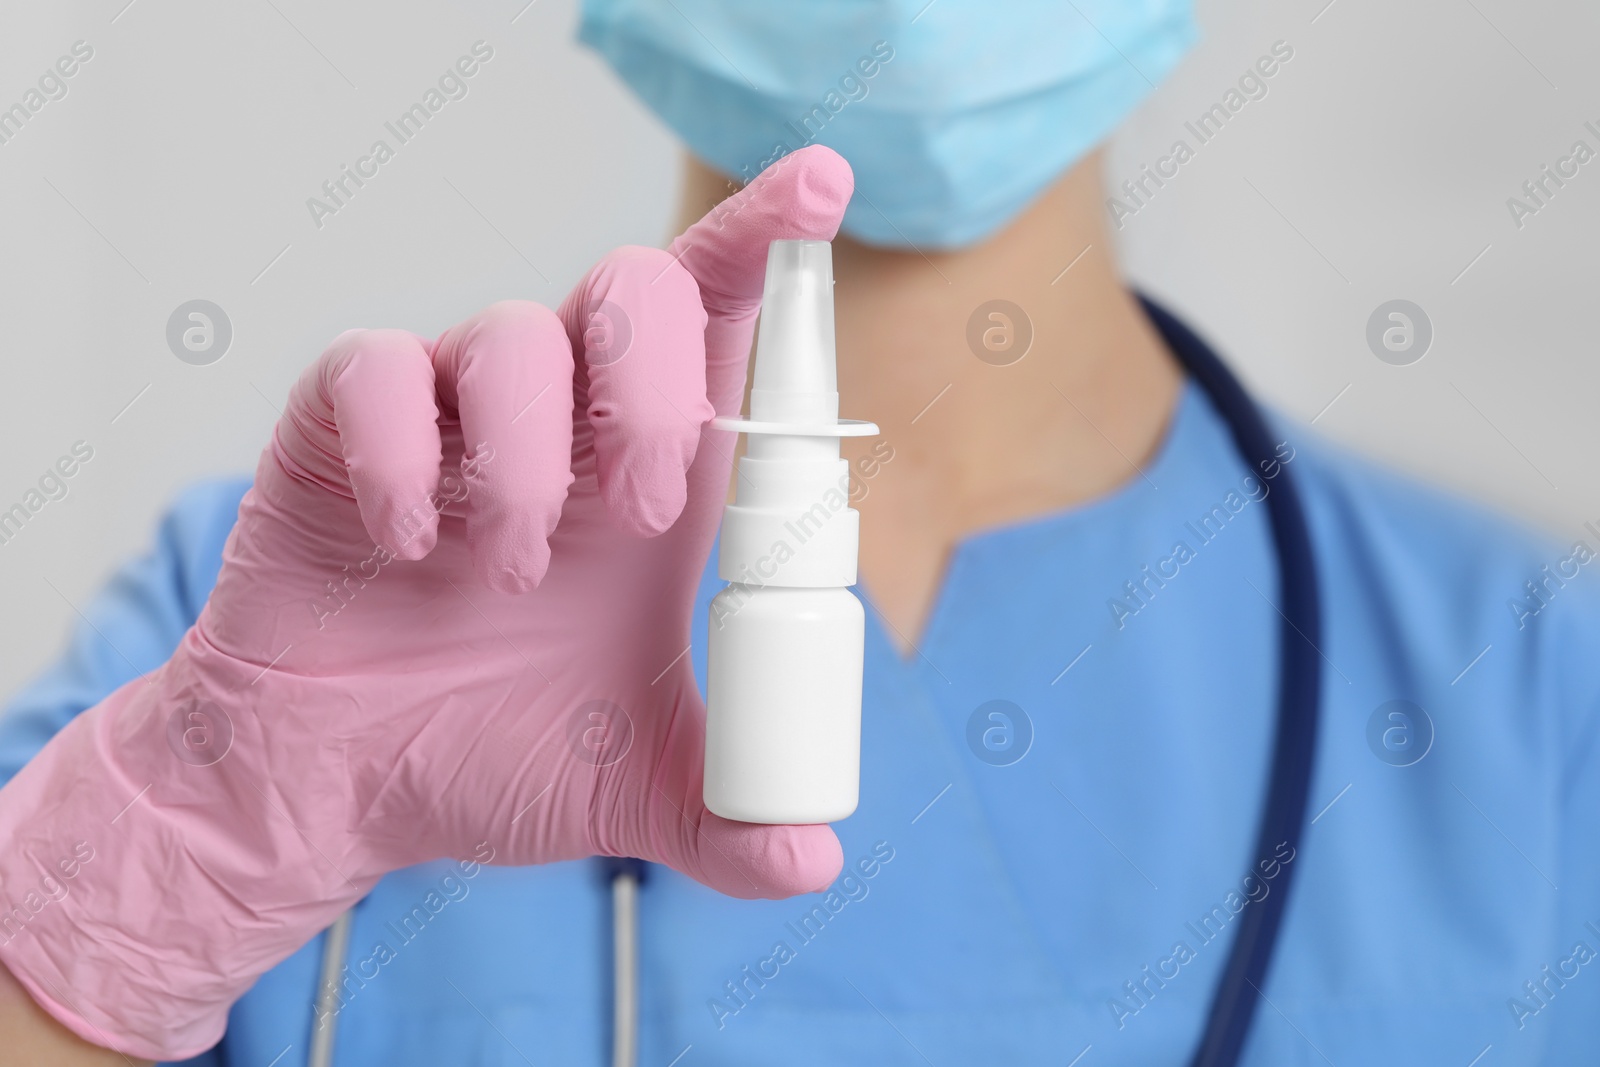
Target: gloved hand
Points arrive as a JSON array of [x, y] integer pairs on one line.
[[451, 621]]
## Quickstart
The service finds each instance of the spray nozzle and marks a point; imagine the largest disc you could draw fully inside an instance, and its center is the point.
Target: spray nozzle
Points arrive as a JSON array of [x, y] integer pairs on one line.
[[795, 384], [795, 375]]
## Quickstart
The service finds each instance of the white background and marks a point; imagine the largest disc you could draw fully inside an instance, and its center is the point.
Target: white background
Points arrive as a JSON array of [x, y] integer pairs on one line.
[[179, 163]]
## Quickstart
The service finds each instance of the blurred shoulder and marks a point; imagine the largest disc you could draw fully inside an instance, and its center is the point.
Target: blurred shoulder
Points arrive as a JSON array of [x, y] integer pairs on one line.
[[194, 530], [1430, 557], [1420, 524]]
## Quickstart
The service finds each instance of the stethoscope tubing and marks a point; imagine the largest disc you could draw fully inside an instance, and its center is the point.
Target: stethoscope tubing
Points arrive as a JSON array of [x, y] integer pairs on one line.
[[1294, 749], [623, 878]]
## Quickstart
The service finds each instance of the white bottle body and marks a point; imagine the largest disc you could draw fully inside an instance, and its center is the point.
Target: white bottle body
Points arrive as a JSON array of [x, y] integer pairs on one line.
[[783, 694]]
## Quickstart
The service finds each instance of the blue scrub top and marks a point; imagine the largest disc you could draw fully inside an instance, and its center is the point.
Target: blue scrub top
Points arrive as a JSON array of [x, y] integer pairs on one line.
[[1060, 792]]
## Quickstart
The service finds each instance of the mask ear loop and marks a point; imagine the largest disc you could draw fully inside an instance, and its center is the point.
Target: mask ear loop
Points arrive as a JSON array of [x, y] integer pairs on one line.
[[1294, 749]]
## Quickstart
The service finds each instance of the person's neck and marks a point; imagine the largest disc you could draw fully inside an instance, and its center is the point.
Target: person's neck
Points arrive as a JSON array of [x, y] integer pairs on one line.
[[975, 444]]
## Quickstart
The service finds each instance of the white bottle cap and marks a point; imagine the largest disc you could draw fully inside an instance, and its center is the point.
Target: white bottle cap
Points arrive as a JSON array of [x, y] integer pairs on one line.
[[790, 523]]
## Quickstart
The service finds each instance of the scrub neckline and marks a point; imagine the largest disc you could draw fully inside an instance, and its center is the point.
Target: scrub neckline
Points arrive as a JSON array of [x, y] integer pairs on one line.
[[1132, 491]]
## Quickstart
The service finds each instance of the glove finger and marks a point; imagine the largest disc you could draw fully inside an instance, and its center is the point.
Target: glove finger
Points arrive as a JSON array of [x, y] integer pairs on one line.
[[377, 389], [507, 372], [638, 321], [800, 197]]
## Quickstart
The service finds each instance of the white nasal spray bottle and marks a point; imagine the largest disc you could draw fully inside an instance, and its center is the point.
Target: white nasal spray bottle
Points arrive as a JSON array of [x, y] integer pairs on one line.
[[783, 718]]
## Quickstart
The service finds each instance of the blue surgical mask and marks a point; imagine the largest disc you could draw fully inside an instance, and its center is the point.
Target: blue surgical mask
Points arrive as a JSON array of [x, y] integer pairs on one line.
[[955, 115]]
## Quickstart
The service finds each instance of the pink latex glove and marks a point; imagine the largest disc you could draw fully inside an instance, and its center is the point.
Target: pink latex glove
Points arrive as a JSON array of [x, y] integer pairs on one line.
[[513, 682]]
